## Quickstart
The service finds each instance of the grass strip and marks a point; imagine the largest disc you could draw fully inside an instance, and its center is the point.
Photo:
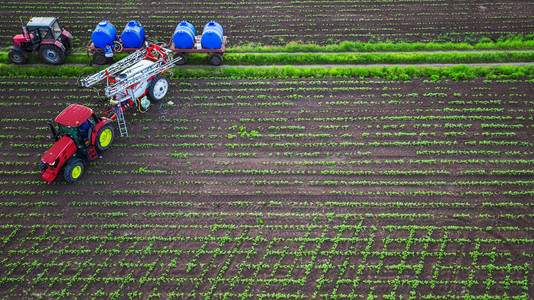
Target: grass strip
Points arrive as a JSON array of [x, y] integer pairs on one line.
[[332, 58], [404, 73], [378, 58], [518, 42]]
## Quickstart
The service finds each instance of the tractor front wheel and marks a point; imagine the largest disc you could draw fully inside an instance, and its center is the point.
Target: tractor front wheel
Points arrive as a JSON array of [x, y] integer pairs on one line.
[[17, 57], [105, 137], [52, 54], [42, 165], [73, 170], [158, 88]]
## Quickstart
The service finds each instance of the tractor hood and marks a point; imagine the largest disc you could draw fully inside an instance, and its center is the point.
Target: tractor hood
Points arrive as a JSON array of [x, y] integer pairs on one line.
[[21, 38], [65, 146]]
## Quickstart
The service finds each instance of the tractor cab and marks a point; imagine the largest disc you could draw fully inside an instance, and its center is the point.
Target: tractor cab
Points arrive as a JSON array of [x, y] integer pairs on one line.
[[45, 36], [36, 31], [79, 135], [43, 29], [76, 122]]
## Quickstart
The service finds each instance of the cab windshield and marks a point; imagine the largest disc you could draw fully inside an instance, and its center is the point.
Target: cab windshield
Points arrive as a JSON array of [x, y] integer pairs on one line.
[[68, 130], [56, 30]]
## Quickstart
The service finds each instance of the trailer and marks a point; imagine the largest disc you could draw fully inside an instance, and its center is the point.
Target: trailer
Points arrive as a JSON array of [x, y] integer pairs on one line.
[[98, 54], [135, 81], [215, 55]]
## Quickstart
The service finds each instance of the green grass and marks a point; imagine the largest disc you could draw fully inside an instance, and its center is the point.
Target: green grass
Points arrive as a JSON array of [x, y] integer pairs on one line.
[[377, 58], [517, 42], [332, 58], [404, 73]]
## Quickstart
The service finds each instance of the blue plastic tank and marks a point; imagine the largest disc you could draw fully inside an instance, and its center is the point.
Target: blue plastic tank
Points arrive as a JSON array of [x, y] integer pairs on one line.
[[133, 35], [184, 35], [104, 34], [212, 36]]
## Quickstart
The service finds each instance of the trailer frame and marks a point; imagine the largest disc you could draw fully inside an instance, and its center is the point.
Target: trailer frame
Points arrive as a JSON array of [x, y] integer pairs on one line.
[[215, 55]]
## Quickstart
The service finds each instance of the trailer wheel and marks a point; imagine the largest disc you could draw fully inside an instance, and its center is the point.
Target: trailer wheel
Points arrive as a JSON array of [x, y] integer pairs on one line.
[[52, 54], [105, 137], [158, 88], [181, 61], [73, 170], [17, 57], [215, 59], [99, 58]]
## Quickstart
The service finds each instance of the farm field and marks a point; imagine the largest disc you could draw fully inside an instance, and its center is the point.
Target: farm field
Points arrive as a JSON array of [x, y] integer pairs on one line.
[[280, 22], [358, 188], [283, 174]]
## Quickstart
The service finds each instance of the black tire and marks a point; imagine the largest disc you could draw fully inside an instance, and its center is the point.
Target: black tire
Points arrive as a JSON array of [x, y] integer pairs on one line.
[[73, 170], [215, 59], [105, 137], [17, 57], [52, 54], [67, 43], [99, 58], [42, 165], [181, 61], [159, 87]]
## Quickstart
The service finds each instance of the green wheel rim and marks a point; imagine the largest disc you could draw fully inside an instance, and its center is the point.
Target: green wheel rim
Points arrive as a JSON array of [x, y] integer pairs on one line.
[[105, 137], [76, 172]]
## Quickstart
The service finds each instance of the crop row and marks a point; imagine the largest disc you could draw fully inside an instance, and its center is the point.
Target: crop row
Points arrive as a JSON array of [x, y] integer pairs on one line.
[[323, 22]]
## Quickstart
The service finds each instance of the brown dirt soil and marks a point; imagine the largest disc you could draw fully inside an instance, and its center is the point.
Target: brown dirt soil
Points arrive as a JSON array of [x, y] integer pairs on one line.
[[280, 22], [153, 217]]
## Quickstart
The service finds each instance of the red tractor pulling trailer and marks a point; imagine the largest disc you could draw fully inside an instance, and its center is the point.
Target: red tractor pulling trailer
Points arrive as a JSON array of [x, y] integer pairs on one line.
[[80, 136]]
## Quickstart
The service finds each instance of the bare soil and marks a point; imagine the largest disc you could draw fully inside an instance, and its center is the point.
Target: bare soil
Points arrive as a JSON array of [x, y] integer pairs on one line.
[[148, 217]]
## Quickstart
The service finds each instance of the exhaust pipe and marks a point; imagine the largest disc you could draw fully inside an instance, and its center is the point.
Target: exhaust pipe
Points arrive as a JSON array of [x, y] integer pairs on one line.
[[53, 129]]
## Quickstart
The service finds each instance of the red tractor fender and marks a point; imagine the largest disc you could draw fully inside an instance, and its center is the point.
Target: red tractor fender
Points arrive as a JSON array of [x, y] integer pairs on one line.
[[99, 125], [57, 156], [66, 34], [55, 43]]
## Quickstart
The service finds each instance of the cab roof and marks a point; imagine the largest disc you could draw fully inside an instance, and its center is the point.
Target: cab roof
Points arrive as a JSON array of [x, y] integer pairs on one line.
[[74, 115], [41, 22]]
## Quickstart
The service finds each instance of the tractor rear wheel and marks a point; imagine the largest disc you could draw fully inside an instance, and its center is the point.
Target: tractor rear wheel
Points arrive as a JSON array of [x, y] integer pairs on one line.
[[99, 58], [73, 170], [215, 59], [158, 88], [52, 54], [17, 57], [105, 137], [67, 43]]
